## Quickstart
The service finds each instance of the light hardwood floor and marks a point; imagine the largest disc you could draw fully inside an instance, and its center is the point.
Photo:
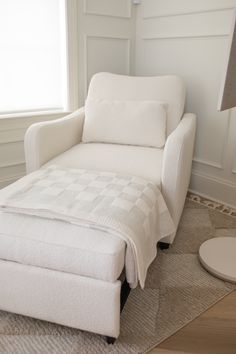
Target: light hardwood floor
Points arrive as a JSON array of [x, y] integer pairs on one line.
[[214, 332]]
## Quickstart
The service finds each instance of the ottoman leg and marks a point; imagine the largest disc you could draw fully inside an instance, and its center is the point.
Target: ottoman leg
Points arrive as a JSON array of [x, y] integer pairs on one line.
[[110, 340], [163, 245], [124, 294]]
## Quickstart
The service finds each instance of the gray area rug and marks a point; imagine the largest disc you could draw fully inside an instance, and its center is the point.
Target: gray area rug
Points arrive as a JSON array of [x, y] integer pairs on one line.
[[177, 290]]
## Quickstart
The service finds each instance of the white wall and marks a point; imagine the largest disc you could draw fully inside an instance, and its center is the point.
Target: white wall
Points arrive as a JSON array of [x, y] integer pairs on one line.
[[102, 33], [190, 38], [185, 37]]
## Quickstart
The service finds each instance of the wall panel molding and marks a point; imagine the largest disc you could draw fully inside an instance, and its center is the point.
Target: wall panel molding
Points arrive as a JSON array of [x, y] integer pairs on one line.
[[187, 13], [117, 39], [220, 164], [11, 136], [108, 8], [220, 35], [191, 26], [208, 163], [163, 8]]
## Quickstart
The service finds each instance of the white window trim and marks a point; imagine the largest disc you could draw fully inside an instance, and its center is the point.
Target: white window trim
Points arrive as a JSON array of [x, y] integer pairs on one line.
[[72, 60], [35, 113], [72, 50]]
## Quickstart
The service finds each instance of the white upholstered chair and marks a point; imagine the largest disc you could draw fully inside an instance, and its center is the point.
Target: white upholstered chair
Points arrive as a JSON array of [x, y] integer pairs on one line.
[[70, 275]]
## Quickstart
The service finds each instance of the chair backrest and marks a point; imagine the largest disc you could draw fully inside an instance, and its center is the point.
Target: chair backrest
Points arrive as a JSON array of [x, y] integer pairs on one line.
[[168, 89]]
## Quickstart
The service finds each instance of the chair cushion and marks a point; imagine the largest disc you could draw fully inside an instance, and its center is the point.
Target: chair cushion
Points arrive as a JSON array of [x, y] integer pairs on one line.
[[169, 89], [140, 123], [140, 161], [61, 246]]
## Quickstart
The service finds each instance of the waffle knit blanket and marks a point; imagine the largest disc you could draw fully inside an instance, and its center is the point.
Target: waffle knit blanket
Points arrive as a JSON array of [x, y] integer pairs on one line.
[[130, 207]]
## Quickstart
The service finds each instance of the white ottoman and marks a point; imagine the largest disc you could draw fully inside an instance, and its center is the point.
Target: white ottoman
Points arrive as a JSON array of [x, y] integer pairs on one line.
[[59, 272]]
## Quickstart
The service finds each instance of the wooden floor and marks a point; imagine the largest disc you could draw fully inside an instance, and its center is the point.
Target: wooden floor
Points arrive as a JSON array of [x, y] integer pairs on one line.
[[214, 332]]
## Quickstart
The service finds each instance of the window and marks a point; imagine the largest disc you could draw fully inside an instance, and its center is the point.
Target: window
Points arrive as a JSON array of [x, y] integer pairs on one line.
[[32, 56]]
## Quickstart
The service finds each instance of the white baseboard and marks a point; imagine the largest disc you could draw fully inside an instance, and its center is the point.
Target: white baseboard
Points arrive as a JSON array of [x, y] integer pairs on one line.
[[217, 189]]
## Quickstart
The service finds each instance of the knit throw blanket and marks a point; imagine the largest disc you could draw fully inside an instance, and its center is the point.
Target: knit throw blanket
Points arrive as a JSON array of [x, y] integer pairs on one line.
[[130, 207]]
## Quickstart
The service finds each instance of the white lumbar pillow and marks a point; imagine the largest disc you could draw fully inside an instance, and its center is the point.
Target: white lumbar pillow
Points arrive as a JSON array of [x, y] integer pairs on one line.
[[125, 122]]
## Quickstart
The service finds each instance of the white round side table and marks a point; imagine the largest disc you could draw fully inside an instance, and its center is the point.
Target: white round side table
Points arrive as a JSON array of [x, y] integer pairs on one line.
[[218, 256]]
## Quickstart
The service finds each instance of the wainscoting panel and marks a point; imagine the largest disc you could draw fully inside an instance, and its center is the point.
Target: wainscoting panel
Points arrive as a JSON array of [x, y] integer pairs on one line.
[[112, 54], [190, 39], [106, 32], [8, 136], [12, 131], [11, 173], [11, 153], [162, 8], [114, 8], [191, 25]]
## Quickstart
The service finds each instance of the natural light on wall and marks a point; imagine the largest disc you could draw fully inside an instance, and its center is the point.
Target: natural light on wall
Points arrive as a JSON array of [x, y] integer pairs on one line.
[[32, 56]]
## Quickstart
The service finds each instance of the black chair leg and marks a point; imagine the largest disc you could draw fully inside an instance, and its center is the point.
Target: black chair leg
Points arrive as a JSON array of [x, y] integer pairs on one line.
[[110, 340], [124, 294], [163, 245]]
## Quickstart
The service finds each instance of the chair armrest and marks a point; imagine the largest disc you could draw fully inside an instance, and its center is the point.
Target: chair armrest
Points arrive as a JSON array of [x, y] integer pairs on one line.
[[45, 140], [177, 163]]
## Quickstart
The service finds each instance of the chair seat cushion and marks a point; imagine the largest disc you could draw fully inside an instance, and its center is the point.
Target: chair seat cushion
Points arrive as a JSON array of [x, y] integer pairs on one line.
[[139, 161], [61, 246]]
